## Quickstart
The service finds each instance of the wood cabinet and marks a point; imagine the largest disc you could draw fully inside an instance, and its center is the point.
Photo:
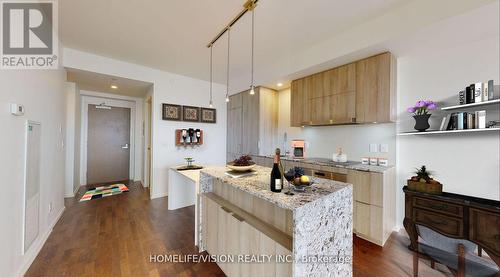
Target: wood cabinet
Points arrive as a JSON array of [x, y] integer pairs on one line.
[[375, 92], [252, 122], [230, 231], [359, 92], [374, 204]]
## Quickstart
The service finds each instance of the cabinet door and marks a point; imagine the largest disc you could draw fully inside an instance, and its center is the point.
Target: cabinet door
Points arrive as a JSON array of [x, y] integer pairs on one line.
[[317, 85], [234, 131], [368, 222], [295, 100], [232, 243], [210, 225], [250, 123], [368, 186], [320, 110], [345, 79], [343, 108], [374, 89], [306, 100]]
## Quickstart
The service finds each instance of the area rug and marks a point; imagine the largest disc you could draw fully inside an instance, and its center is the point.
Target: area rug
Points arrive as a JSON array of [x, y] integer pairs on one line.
[[104, 191]]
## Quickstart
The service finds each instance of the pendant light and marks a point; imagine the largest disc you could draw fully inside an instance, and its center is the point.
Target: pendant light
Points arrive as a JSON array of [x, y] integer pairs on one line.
[[211, 104], [252, 87], [227, 68]]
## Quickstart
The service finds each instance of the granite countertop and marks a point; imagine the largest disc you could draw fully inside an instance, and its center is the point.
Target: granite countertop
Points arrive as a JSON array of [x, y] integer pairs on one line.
[[258, 185], [349, 165]]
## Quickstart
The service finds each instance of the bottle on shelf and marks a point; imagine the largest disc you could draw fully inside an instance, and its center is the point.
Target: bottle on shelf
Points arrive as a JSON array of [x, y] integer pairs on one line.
[[276, 173]]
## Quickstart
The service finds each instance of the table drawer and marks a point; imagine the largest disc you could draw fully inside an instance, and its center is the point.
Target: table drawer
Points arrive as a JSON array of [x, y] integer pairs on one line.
[[485, 229], [450, 226], [438, 206]]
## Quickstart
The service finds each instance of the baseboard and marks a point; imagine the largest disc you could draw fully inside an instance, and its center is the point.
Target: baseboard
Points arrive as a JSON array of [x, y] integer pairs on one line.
[[73, 194], [37, 246], [159, 195]]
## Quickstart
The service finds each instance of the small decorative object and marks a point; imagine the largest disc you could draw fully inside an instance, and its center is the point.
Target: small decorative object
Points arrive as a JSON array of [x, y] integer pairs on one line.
[[243, 163], [373, 161], [171, 112], [421, 114], [383, 162], [365, 161], [191, 137], [191, 113], [189, 161], [208, 115], [423, 182]]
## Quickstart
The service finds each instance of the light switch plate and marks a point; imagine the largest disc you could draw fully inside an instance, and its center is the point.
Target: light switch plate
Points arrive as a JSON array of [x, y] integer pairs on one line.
[[373, 148], [384, 148]]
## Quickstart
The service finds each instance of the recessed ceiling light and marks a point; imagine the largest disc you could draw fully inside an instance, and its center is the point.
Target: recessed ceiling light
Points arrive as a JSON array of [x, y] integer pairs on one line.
[[279, 84], [114, 87]]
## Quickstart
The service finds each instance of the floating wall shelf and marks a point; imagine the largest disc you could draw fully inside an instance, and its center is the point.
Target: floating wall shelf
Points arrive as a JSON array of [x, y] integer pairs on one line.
[[449, 132], [496, 101]]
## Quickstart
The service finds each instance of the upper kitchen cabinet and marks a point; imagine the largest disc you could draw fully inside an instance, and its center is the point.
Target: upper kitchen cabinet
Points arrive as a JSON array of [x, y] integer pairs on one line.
[[375, 91], [252, 122], [359, 92]]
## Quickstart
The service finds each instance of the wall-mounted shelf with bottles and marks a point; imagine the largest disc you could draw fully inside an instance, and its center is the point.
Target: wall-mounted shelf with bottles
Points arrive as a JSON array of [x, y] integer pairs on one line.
[[185, 137]]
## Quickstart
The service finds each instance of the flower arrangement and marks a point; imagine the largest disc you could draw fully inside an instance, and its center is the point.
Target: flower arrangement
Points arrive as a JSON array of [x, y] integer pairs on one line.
[[422, 107]]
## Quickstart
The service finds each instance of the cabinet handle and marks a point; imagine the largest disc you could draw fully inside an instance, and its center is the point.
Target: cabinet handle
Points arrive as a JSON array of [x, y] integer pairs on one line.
[[225, 209], [320, 174], [239, 218]]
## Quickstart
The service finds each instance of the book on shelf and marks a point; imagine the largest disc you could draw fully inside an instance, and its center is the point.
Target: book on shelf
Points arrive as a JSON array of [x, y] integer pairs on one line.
[[444, 123], [461, 97], [491, 90], [471, 124], [478, 92], [480, 119], [469, 94]]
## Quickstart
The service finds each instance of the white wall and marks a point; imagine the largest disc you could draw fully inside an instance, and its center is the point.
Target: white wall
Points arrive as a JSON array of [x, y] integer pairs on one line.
[[325, 140], [466, 164], [42, 94], [70, 184], [168, 88]]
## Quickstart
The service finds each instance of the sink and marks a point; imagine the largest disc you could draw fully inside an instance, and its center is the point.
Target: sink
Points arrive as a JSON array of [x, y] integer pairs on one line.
[[331, 162]]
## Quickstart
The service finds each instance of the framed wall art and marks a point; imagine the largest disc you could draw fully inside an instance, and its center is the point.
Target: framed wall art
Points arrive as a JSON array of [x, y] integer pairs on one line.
[[190, 113], [208, 115], [171, 112]]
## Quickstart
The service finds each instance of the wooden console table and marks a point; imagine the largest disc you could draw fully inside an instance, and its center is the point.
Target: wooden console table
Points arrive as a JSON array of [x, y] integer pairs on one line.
[[454, 215]]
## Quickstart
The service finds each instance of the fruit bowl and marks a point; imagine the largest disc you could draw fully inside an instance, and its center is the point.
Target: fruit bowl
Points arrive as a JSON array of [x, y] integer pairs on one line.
[[241, 168]]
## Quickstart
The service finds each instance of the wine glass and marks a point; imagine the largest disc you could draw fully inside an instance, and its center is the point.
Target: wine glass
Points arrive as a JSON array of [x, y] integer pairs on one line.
[[289, 176]]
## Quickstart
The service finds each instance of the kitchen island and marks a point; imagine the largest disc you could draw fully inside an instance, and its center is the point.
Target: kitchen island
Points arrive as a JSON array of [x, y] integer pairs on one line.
[[305, 234]]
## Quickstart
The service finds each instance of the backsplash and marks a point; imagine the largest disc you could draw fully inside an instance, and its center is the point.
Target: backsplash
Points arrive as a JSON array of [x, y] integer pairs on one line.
[[323, 141]]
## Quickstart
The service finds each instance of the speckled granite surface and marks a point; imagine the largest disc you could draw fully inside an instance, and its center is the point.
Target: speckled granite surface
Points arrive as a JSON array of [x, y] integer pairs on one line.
[[322, 219], [350, 165]]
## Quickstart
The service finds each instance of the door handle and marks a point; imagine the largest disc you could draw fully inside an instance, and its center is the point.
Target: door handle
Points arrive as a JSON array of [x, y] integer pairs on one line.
[[125, 146]]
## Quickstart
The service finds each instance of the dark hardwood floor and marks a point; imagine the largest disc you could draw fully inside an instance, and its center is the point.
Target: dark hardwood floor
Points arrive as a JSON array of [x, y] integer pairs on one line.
[[114, 236]]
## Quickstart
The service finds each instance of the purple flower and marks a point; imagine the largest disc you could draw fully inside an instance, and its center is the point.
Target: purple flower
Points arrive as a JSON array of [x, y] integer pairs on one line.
[[432, 106], [411, 109], [428, 102], [420, 104]]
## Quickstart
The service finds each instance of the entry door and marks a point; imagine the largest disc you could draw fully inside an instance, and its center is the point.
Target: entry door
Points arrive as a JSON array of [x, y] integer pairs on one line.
[[108, 144]]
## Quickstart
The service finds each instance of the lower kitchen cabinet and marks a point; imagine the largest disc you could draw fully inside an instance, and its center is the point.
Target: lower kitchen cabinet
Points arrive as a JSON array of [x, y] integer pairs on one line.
[[374, 204], [227, 233]]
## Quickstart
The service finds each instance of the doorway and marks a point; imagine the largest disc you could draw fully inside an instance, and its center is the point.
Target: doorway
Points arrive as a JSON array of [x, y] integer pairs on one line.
[[108, 144]]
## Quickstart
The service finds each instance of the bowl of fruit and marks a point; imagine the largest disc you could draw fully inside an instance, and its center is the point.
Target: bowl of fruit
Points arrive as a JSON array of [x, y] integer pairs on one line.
[[243, 163], [298, 179]]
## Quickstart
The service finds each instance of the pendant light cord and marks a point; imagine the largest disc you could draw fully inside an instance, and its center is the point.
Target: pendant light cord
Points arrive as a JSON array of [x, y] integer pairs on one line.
[[211, 74], [253, 30], [227, 73]]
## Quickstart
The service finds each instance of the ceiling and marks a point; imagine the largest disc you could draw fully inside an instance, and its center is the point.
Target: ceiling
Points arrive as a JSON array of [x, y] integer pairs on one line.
[[172, 35], [92, 81]]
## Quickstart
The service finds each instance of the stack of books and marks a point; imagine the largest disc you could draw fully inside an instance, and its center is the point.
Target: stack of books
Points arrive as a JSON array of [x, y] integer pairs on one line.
[[476, 93], [464, 120]]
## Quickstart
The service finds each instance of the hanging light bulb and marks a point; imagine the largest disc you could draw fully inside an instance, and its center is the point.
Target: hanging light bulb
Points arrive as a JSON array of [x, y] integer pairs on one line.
[[227, 67], [211, 105], [252, 87]]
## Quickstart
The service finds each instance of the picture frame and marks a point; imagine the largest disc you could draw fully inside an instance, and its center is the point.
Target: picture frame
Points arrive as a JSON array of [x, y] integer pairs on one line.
[[171, 112], [208, 115], [190, 113]]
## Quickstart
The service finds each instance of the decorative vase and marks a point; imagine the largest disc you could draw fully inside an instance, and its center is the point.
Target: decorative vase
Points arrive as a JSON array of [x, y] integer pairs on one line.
[[422, 122]]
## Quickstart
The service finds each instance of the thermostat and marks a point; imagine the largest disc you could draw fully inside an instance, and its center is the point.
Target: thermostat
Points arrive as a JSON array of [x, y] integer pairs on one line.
[[16, 109]]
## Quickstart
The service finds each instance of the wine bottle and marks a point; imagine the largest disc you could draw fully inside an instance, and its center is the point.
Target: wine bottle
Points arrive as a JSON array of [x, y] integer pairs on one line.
[[276, 177]]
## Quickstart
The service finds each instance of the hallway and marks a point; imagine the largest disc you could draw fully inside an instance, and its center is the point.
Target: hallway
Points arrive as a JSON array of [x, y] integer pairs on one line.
[[114, 236]]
